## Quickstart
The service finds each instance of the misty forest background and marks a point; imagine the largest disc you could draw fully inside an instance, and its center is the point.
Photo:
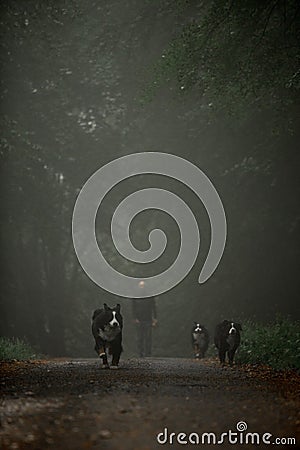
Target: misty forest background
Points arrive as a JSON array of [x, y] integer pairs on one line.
[[85, 82]]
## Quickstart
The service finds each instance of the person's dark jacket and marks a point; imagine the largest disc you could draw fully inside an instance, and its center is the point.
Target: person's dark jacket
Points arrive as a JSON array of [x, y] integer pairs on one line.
[[144, 310]]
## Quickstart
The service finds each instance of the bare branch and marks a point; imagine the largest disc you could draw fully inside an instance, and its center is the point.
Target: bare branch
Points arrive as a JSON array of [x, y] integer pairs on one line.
[[266, 24]]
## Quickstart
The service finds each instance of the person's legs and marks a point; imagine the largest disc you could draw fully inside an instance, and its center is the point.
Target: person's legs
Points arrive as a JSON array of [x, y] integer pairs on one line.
[[140, 340], [148, 338]]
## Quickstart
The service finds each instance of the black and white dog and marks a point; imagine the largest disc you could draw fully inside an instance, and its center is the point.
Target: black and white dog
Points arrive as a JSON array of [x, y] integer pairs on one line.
[[107, 324], [227, 339], [200, 340]]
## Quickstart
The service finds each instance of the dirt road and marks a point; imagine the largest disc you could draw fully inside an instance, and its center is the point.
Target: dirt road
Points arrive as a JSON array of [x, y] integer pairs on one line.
[[74, 404]]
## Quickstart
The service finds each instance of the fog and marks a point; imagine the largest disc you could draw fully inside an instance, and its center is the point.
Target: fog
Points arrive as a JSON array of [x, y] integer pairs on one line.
[[84, 83]]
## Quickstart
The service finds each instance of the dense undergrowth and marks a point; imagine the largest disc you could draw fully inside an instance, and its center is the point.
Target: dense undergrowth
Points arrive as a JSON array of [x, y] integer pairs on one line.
[[276, 344], [14, 348]]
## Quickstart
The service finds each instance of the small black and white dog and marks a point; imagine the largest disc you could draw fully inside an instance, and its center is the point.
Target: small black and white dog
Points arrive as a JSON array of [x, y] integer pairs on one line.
[[107, 324], [200, 340], [227, 339]]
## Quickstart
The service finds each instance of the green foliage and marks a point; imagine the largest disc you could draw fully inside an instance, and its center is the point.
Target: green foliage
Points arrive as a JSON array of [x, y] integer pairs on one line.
[[233, 55], [276, 344], [15, 349]]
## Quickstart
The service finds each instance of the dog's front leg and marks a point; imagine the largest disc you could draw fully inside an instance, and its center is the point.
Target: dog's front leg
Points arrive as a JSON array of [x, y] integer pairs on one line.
[[104, 359], [116, 350], [101, 350], [231, 353], [222, 354]]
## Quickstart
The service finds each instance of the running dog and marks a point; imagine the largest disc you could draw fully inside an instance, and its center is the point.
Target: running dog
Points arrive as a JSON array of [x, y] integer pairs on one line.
[[200, 340], [227, 339], [107, 325]]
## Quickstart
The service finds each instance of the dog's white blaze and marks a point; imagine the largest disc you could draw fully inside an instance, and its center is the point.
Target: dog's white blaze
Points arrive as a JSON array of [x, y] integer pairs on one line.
[[198, 328], [114, 320], [232, 329]]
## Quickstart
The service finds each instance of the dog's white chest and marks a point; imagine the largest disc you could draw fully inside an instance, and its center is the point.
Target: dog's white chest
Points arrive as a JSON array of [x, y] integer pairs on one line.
[[231, 341], [109, 334], [196, 337]]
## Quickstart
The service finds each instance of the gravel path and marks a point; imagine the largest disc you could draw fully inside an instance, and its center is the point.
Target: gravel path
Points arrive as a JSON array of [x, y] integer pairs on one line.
[[75, 404]]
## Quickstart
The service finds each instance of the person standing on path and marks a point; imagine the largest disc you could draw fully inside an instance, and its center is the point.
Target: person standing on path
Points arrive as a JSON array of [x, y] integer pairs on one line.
[[145, 318]]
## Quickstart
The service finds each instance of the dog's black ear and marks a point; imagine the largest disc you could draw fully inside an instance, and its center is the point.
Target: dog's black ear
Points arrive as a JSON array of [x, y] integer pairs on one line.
[[118, 307], [239, 326], [106, 308], [96, 313]]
